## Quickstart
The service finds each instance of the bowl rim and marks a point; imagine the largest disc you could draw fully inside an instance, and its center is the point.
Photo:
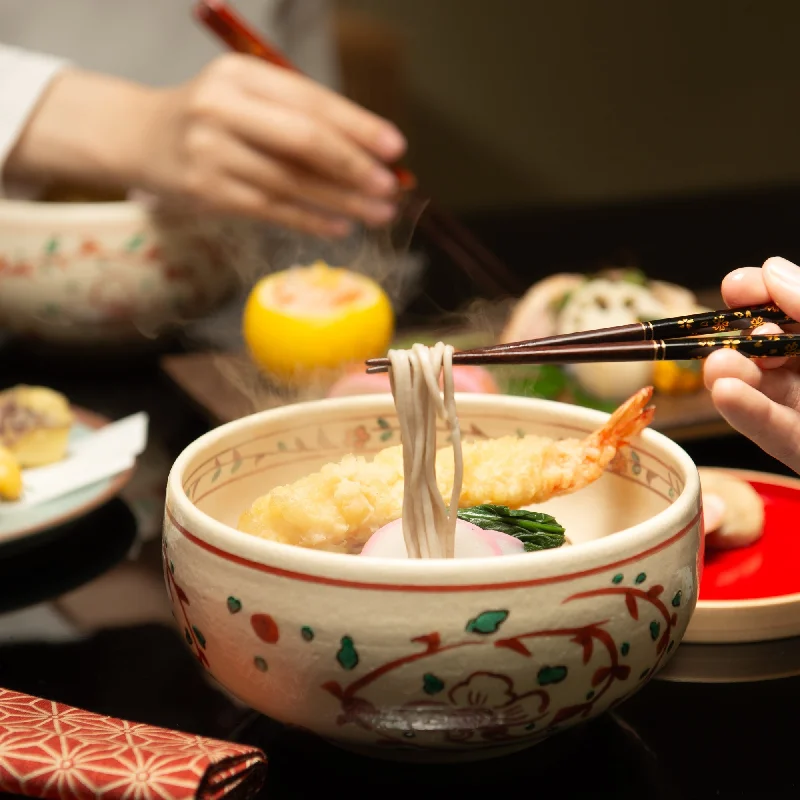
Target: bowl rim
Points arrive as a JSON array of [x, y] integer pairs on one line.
[[36, 212], [625, 546]]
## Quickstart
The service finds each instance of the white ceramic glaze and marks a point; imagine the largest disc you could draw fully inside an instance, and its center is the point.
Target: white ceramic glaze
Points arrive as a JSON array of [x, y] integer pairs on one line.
[[97, 272], [434, 660]]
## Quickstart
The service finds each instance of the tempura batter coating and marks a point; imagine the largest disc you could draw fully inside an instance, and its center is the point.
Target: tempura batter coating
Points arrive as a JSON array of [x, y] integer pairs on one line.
[[342, 505]]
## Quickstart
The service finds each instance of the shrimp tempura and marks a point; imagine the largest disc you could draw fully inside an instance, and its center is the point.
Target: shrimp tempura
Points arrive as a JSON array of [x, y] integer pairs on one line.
[[339, 507]]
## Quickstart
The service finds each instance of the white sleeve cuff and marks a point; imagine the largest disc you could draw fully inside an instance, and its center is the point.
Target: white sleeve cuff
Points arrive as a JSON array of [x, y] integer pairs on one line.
[[24, 76]]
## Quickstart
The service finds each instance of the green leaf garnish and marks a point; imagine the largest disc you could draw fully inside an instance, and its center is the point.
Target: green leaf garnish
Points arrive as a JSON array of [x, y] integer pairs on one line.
[[545, 380], [537, 531], [586, 400]]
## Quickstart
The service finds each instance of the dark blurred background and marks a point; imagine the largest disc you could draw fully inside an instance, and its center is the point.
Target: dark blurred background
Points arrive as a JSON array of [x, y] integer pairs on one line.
[[584, 133]]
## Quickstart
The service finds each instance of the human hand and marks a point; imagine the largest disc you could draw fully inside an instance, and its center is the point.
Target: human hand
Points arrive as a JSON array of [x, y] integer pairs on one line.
[[242, 137], [760, 398], [245, 136]]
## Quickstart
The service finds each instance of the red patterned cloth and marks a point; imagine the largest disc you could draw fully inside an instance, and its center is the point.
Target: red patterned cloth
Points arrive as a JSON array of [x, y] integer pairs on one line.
[[51, 750]]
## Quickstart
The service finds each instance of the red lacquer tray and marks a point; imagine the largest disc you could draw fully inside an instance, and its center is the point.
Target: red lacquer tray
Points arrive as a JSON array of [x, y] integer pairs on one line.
[[752, 594]]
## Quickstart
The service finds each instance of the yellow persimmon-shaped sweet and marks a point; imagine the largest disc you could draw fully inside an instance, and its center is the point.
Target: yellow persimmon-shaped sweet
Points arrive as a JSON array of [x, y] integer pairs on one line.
[[313, 318], [10, 476]]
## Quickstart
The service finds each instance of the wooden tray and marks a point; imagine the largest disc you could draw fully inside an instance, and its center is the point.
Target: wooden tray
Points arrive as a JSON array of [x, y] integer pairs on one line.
[[204, 378], [223, 386]]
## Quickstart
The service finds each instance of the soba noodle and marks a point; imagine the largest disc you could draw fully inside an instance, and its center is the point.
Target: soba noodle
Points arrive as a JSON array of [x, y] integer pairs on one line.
[[429, 525]]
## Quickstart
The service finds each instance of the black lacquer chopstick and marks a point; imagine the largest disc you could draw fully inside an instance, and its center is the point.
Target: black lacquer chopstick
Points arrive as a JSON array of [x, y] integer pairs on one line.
[[685, 349], [726, 320], [729, 319]]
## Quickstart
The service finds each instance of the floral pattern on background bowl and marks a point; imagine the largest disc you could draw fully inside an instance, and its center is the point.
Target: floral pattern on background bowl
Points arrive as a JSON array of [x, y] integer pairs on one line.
[[437, 660], [101, 272]]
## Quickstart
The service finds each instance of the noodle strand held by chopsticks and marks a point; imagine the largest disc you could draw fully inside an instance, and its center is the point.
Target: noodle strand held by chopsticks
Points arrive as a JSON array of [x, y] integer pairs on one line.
[[429, 526]]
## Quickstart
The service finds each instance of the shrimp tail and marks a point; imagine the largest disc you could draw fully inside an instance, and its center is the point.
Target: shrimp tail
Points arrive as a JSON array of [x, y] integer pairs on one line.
[[629, 420], [571, 464]]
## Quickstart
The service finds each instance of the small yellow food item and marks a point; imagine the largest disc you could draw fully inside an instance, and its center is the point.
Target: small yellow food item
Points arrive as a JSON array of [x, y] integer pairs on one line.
[[34, 425], [317, 317], [10, 477], [342, 505], [677, 377]]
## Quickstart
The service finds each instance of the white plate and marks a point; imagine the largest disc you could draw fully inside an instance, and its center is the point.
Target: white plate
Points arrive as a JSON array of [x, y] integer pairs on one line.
[[50, 515]]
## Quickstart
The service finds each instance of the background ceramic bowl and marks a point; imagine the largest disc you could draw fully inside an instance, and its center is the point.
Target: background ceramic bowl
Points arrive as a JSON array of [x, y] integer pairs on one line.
[[431, 660], [107, 272]]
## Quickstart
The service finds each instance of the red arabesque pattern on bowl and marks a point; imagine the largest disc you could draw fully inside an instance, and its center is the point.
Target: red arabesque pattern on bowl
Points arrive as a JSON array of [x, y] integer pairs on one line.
[[67, 283], [434, 663], [485, 707]]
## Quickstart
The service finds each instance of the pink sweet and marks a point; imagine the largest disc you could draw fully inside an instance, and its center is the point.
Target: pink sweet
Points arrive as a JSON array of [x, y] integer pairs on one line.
[[471, 542]]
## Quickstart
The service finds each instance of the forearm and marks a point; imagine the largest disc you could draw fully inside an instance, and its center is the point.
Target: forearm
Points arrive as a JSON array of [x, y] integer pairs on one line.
[[242, 137], [86, 128]]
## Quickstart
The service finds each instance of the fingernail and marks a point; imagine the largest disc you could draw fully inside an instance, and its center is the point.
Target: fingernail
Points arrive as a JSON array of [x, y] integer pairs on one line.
[[381, 180], [391, 142], [737, 275], [784, 271]]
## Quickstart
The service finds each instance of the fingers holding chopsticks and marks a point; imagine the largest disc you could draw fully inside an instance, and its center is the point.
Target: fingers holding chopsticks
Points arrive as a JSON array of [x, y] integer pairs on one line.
[[774, 427], [745, 287], [777, 281], [779, 385], [782, 279], [761, 398], [289, 182], [775, 330], [770, 424], [298, 92], [248, 137]]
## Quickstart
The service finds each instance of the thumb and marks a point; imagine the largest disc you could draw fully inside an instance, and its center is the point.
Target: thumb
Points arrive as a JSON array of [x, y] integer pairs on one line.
[[782, 279]]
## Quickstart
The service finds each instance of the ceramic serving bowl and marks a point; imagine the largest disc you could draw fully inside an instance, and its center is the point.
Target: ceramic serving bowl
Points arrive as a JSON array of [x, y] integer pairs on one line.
[[106, 272], [435, 660]]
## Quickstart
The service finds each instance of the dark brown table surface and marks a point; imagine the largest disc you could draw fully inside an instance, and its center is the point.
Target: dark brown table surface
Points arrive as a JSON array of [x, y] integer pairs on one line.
[[714, 731]]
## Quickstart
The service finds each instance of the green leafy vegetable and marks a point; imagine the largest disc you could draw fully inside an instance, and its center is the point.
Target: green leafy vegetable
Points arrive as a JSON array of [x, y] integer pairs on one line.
[[537, 531], [545, 380], [583, 398]]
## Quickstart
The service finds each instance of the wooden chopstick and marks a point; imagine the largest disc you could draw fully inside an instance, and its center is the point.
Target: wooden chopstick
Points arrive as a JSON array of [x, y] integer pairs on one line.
[[228, 26], [480, 265], [489, 274], [686, 349]]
